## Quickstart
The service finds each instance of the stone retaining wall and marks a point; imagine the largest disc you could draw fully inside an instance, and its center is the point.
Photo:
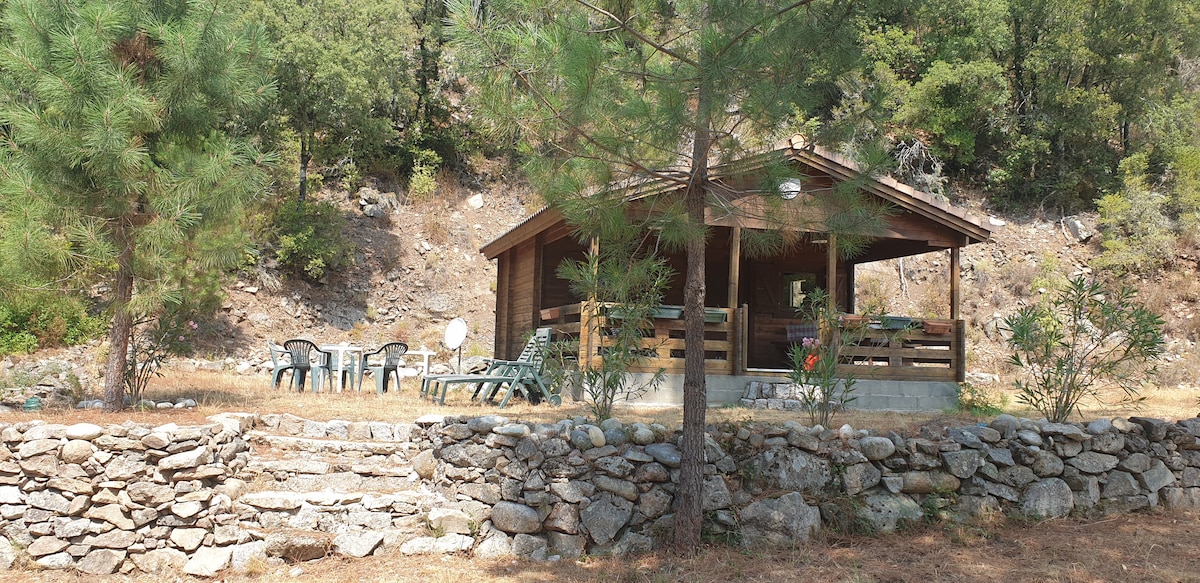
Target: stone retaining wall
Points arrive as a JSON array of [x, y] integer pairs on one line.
[[131, 497]]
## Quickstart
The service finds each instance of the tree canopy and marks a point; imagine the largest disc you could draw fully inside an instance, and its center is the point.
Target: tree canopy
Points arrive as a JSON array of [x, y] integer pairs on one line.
[[122, 159]]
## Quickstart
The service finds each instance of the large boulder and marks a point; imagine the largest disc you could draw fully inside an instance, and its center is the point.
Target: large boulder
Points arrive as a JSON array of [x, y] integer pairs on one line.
[[883, 511], [298, 545], [515, 518], [1048, 498], [208, 561], [789, 469], [782, 521], [605, 517], [357, 544]]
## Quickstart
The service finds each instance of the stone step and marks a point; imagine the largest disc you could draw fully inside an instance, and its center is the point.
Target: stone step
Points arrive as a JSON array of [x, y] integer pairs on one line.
[[339, 482], [306, 465], [329, 446]]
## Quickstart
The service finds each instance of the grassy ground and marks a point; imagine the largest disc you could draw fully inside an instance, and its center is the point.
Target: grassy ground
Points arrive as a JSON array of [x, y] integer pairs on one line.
[[217, 392]]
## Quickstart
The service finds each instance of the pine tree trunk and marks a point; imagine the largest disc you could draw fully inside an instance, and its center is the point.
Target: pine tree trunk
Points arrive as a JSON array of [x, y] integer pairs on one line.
[[688, 512], [122, 325], [305, 157], [689, 517]]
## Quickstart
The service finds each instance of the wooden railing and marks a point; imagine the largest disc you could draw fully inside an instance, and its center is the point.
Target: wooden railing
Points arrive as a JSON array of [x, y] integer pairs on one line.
[[907, 355], [663, 344]]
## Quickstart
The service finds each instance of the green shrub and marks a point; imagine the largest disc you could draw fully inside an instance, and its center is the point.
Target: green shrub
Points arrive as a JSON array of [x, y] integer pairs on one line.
[[14, 340], [41, 320], [422, 183], [980, 402], [814, 361], [633, 285], [1136, 231], [1086, 336], [309, 238], [958, 103]]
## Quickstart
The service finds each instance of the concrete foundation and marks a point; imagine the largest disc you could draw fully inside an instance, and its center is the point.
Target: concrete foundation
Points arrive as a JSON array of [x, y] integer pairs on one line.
[[869, 394]]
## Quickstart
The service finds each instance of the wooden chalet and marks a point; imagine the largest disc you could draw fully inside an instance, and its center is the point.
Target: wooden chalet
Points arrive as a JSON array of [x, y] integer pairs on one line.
[[751, 316]]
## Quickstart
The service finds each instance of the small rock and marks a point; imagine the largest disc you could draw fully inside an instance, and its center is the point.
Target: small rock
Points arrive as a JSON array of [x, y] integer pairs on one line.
[[84, 431], [208, 561], [357, 544]]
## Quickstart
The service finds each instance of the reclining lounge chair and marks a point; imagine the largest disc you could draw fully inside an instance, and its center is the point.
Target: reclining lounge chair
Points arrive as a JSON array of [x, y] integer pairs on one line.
[[525, 372]]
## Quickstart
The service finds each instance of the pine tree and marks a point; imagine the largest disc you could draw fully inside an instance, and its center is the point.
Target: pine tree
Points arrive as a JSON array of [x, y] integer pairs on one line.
[[345, 81], [632, 90], [122, 159]]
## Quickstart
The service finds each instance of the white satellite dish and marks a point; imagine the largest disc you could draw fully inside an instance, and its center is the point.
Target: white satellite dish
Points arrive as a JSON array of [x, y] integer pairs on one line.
[[790, 188], [456, 332]]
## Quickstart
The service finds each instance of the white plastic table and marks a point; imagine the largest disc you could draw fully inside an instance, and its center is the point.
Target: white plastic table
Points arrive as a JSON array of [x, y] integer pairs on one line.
[[426, 354], [346, 358]]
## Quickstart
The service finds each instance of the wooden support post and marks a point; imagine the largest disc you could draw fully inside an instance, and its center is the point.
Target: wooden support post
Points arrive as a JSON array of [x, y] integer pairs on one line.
[[955, 284], [960, 351], [539, 251], [831, 270], [851, 301], [586, 316], [504, 262], [742, 321], [589, 337], [827, 335], [735, 265]]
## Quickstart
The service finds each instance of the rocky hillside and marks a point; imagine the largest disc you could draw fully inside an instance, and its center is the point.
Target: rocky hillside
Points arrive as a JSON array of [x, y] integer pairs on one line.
[[418, 266]]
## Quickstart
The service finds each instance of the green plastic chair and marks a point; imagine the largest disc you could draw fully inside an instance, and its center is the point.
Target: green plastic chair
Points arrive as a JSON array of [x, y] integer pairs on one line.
[[307, 357], [383, 372], [278, 364]]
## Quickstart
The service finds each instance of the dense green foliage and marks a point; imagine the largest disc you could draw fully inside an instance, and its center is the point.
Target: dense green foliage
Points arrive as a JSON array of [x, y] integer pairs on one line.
[[309, 238], [29, 321], [363, 88], [1085, 335], [124, 160], [1036, 100]]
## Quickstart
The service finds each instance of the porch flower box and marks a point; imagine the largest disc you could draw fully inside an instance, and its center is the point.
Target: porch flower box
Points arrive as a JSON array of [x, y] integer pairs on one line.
[[937, 327], [896, 323], [668, 312], [662, 312], [851, 320], [715, 316]]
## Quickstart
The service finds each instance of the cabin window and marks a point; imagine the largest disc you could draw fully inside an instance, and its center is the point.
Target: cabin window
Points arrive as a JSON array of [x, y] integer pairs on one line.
[[797, 286]]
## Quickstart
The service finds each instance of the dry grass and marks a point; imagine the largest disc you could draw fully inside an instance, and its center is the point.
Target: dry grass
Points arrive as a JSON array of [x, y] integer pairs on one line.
[[221, 392], [1145, 547]]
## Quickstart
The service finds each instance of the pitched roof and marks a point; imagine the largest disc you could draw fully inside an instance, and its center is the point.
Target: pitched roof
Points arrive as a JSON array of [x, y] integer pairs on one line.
[[796, 149]]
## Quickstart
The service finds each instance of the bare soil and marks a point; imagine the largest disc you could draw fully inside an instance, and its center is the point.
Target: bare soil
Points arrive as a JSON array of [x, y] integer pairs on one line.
[[1147, 548]]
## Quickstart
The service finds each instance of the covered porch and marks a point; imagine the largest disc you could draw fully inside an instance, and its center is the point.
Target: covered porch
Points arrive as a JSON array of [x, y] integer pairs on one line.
[[751, 302], [755, 340]]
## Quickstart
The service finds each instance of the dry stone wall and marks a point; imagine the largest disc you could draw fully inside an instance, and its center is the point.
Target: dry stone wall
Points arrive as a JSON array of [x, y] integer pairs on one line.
[[245, 491]]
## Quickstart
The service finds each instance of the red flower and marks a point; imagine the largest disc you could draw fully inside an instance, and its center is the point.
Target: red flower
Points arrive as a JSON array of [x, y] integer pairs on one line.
[[810, 362]]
